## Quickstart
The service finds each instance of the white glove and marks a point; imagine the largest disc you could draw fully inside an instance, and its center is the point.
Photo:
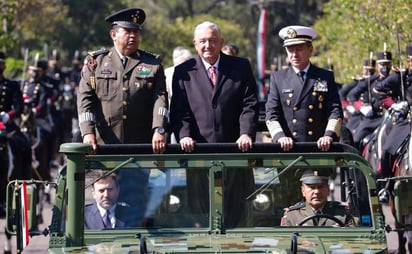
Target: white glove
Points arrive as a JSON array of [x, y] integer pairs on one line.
[[366, 110], [400, 105], [350, 109], [4, 117]]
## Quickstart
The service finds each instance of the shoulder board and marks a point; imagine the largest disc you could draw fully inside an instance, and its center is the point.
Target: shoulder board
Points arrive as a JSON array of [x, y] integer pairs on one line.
[[98, 52], [150, 53], [297, 206]]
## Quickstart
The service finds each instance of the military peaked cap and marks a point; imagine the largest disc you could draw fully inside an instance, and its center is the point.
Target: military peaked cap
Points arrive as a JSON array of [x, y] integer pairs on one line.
[[369, 64], [384, 57], [293, 35], [315, 176], [39, 65], [131, 18]]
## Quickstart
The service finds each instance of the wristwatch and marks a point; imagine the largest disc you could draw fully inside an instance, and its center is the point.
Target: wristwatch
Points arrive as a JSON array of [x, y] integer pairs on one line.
[[160, 130]]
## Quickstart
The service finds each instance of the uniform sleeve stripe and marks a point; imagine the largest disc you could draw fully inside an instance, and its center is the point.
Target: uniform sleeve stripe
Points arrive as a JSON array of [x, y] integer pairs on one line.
[[274, 128], [86, 117], [334, 125], [162, 111]]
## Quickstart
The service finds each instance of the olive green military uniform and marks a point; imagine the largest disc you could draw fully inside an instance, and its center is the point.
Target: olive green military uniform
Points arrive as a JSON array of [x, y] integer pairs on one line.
[[122, 104], [296, 213]]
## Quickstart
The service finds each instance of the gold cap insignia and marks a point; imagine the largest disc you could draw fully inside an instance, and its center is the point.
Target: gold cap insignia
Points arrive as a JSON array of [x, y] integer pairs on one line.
[[291, 33]]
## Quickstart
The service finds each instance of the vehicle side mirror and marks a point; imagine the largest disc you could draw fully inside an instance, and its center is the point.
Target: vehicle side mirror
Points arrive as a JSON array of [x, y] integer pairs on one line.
[[21, 217]]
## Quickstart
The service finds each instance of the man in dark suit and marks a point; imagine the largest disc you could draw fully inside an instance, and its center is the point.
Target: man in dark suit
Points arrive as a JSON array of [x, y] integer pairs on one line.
[[105, 211], [214, 101], [303, 103]]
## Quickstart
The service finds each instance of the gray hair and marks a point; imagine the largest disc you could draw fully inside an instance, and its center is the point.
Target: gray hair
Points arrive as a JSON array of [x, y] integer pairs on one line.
[[207, 24], [180, 55]]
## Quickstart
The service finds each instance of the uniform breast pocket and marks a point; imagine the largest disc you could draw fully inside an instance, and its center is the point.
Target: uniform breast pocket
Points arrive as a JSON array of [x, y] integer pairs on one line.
[[107, 86], [142, 84]]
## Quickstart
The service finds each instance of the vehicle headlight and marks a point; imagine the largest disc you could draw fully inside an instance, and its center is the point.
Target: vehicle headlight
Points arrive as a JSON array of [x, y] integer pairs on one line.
[[174, 203], [261, 202]]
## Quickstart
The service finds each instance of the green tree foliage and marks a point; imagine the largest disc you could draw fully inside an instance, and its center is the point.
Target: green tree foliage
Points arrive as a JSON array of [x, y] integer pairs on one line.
[[350, 29]]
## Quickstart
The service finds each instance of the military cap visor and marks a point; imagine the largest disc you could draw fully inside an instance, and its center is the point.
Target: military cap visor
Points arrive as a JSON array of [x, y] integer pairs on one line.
[[313, 176], [131, 18], [294, 35]]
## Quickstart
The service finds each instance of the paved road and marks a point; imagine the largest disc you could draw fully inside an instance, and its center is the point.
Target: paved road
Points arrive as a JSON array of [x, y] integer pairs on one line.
[[37, 244]]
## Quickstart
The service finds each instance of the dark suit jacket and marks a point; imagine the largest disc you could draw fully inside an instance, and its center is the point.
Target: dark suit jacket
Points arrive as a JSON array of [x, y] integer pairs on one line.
[[93, 219], [214, 115], [304, 110]]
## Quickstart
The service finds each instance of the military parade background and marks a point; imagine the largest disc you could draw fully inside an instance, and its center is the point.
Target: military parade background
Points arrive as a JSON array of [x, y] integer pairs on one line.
[[349, 29]]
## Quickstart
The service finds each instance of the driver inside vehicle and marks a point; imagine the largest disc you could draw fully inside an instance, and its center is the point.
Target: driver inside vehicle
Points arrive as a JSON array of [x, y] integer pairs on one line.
[[316, 210]]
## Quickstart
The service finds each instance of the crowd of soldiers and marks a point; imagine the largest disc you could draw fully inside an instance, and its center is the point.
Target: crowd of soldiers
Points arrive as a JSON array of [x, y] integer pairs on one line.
[[37, 115], [380, 95]]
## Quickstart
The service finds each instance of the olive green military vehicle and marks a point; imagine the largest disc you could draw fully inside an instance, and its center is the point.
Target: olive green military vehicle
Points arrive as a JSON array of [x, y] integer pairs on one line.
[[155, 191]]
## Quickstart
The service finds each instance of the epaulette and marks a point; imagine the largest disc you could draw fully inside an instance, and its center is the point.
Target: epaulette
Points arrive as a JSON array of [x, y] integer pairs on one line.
[[297, 206], [397, 69], [98, 52], [150, 53]]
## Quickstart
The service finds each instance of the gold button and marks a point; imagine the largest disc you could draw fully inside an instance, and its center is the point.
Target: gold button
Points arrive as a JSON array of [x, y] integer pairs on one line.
[[294, 120], [125, 77], [124, 117], [295, 108], [294, 133], [125, 103], [310, 133], [314, 93], [125, 88], [310, 106], [310, 120]]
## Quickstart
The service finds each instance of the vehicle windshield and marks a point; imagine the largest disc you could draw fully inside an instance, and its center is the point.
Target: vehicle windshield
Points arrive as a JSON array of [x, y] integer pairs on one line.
[[215, 191]]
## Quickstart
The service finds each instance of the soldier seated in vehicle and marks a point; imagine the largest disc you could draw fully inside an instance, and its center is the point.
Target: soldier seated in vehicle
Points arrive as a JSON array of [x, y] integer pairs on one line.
[[317, 210]]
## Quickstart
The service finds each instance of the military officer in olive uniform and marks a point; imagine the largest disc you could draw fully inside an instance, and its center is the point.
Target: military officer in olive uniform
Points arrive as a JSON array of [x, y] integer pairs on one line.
[[303, 103], [315, 190], [122, 98]]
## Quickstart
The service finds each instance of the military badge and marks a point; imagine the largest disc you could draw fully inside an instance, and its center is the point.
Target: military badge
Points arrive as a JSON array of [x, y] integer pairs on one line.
[[320, 85], [288, 102], [291, 33]]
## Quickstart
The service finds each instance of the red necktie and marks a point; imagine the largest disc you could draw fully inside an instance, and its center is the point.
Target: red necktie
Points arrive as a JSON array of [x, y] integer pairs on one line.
[[213, 76]]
